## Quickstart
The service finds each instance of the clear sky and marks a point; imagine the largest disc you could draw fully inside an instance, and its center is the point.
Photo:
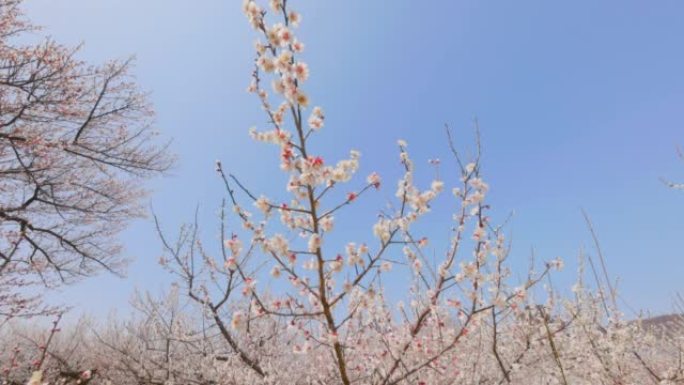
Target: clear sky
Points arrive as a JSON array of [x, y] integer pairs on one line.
[[579, 103]]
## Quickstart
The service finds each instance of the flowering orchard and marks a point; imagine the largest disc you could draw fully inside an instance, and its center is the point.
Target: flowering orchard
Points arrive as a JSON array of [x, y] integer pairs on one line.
[[280, 303]]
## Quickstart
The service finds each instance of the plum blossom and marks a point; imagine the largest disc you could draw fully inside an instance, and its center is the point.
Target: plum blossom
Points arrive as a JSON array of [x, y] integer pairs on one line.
[[437, 186], [374, 180], [234, 245], [314, 243], [327, 223], [297, 46], [316, 119], [386, 266], [294, 18], [237, 320], [301, 71], [263, 204], [231, 263]]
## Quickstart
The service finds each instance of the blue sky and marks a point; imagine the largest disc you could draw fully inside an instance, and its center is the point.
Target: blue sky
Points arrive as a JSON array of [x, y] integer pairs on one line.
[[579, 103]]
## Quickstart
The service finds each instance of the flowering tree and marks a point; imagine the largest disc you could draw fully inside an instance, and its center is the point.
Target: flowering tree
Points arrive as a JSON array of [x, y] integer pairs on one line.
[[325, 306], [75, 144]]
